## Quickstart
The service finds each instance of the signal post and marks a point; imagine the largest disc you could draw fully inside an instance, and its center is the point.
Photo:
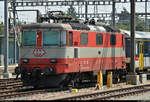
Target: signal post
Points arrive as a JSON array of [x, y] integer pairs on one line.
[[6, 74]]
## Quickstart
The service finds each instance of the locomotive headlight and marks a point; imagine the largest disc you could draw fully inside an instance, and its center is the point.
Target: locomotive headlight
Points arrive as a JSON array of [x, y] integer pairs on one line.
[[53, 60], [25, 60]]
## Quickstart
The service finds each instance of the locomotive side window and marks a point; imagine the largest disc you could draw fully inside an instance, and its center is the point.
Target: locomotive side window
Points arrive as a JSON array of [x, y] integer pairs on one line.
[[51, 38], [84, 39], [99, 39], [29, 38], [70, 38], [113, 40]]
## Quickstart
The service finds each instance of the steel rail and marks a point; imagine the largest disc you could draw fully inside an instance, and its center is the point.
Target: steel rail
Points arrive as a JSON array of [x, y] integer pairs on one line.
[[6, 96], [122, 95], [104, 92]]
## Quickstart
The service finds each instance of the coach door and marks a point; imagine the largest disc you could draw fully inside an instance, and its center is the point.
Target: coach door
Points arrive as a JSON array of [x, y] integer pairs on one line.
[[141, 58]]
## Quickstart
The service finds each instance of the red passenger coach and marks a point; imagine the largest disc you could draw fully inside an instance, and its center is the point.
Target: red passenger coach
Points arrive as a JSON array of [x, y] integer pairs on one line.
[[56, 53]]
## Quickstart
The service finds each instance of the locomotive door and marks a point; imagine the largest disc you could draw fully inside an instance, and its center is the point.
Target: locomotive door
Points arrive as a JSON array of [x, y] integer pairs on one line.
[[141, 58], [76, 50], [73, 43]]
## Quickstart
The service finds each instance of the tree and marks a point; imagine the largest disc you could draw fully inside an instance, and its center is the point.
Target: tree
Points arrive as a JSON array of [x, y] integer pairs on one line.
[[71, 12], [124, 21], [123, 26], [124, 17], [139, 24]]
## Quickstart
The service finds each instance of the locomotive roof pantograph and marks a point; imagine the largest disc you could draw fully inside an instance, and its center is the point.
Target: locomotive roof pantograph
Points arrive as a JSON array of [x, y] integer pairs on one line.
[[62, 22]]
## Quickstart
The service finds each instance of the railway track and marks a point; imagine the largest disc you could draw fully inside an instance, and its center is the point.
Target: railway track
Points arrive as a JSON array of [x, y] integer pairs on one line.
[[26, 91], [10, 85], [8, 81], [21, 94], [106, 95], [7, 84], [14, 88]]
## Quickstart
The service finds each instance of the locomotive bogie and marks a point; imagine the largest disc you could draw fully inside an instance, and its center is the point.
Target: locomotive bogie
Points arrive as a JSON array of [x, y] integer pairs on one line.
[[43, 81]]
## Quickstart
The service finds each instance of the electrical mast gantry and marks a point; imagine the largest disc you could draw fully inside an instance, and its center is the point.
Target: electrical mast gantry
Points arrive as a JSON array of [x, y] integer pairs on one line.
[[23, 3]]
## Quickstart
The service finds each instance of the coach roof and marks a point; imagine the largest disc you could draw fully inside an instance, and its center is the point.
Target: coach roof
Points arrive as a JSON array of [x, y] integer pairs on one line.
[[138, 34]]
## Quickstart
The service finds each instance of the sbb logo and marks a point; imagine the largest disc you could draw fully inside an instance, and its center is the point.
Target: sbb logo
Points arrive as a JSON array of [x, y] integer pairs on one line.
[[39, 52]]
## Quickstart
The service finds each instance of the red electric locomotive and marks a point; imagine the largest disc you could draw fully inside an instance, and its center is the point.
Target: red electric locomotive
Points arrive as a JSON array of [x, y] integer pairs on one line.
[[53, 54]]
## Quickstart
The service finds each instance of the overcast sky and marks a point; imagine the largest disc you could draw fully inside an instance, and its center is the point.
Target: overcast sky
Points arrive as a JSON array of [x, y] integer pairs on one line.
[[30, 16]]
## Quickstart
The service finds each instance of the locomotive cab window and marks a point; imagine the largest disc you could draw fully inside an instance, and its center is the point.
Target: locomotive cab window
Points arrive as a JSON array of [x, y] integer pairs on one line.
[[51, 38], [99, 39], [29, 38], [112, 39], [84, 39]]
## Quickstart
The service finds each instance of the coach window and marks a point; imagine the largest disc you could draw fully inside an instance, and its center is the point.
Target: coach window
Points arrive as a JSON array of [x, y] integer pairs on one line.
[[70, 38], [113, 40], [136, 50], [99, 39], [84, 39], [146, 47]]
